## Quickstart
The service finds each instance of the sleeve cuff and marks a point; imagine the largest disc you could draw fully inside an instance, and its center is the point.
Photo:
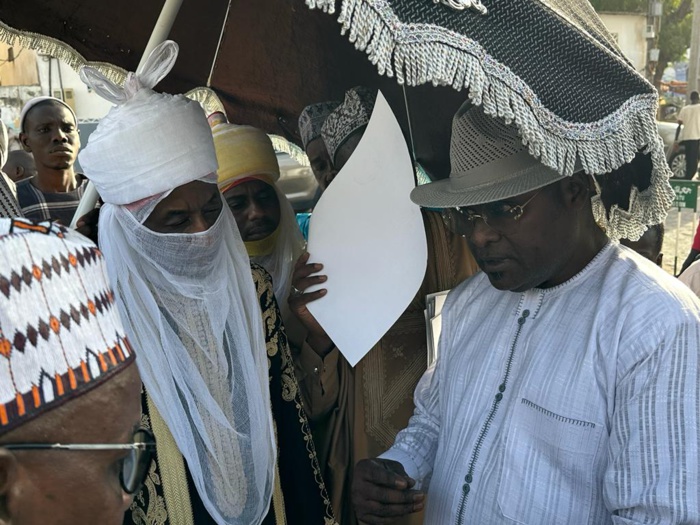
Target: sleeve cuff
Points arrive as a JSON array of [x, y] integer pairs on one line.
[[321, 373], [409, 465]]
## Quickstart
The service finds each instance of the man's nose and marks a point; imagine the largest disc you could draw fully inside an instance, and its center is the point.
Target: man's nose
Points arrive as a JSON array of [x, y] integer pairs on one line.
[[255, 211], [483, 234], [199, 224], [60, 136]]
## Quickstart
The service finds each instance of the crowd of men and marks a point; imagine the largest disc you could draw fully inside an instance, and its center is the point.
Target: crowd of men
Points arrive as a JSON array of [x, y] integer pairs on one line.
[[567, 388]]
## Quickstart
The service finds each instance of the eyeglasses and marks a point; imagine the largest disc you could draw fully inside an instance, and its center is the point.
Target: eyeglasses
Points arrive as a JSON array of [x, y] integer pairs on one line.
[[134, 467], [500, 216]]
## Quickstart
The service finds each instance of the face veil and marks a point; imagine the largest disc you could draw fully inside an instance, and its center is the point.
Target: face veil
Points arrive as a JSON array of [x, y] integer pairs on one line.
[[189, 302]]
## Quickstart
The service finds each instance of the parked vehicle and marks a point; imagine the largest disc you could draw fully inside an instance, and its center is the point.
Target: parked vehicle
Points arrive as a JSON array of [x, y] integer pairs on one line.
[[674, 155], [298, 183]]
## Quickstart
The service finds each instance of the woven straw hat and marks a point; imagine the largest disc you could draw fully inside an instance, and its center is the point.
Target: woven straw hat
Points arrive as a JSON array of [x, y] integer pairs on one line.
[[489, 163]]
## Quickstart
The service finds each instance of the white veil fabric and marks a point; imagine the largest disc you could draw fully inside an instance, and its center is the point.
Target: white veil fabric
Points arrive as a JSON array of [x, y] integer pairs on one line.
[[188, 303]]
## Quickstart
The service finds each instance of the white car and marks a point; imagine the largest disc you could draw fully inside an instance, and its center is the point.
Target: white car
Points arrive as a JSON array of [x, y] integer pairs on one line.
[[674, 156]]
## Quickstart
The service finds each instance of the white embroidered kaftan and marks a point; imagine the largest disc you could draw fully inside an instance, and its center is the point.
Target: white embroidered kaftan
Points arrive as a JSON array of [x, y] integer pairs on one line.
[[578, 404]]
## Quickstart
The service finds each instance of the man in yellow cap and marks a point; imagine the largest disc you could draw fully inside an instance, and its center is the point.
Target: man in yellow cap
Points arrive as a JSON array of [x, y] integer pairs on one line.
[[248, 171]]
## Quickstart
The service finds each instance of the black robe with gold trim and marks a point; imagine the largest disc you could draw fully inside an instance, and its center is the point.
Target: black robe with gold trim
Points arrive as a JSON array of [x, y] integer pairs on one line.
[[169, 496]]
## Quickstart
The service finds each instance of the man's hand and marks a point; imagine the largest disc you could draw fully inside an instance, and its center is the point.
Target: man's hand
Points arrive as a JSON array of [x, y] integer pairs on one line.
[[87, 224], [303, 278], [381, 492]]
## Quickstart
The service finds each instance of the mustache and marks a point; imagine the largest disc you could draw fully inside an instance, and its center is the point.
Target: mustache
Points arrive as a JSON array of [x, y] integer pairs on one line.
[[262, 222]]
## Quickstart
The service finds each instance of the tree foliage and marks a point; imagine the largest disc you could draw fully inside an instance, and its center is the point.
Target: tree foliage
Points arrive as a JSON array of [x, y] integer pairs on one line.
[[674, 36]]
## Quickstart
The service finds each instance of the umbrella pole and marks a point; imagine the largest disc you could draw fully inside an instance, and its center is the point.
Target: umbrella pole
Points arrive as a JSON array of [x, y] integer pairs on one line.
[[164, 24], [160, 33]]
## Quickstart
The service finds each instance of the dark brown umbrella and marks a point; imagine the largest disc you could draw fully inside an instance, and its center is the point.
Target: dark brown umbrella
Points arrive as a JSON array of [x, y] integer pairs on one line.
[[274, 58]]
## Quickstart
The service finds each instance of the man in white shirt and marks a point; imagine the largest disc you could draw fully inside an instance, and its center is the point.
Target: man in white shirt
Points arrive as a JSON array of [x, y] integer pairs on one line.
[[689, 120], [567, 384], [691, 277]]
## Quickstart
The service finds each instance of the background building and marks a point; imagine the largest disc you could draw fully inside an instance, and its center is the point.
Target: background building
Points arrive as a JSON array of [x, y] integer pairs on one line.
[[631, 32], [25, 74]]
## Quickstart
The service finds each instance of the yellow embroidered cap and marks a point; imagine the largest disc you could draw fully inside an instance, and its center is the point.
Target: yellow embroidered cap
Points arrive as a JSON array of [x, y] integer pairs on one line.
[[243, 152]]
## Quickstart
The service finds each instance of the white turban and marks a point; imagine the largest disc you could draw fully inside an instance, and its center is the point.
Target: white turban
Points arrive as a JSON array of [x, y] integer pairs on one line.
[[153, 144]]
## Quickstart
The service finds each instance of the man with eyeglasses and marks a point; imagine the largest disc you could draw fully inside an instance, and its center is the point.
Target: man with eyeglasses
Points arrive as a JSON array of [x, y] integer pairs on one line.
[[71, 450], [567, 384]]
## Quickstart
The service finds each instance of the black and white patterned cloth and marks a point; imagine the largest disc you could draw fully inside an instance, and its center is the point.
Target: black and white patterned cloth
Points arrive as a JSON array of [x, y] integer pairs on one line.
[[352, 115], [9, 208], [39, 206], [550, 66], [312, 118]]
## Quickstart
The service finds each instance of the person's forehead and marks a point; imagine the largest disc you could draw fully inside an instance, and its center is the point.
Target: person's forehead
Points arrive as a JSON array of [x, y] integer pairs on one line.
[[189, 194], [49, 111], [316, 147], [249, 186]]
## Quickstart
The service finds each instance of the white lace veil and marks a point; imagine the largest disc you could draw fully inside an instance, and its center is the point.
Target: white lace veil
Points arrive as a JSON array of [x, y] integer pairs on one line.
[[192, 313]]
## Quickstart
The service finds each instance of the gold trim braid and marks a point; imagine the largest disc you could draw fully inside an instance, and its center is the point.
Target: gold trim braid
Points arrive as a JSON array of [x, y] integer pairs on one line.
[[172, 470], [277, 494]]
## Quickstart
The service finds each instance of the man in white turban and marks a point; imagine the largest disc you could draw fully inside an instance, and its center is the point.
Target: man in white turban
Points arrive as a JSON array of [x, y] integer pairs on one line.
[[211, 364]]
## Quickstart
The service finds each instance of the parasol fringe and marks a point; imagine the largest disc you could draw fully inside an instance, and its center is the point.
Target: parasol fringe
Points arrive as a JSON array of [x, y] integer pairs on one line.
[[603, 146], [57, 49], [327, 6], [282, 145], [207, 98]]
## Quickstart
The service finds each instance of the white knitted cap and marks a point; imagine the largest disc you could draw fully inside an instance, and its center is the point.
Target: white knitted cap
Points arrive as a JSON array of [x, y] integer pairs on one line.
[[60, 331]]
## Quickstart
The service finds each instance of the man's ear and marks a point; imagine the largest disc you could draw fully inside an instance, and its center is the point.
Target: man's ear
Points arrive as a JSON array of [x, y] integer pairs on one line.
[[19, 172], [8, 478], [577, 190], [25, 144]]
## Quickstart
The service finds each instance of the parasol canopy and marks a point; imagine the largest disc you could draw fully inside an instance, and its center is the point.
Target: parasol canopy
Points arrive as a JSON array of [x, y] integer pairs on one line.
[[549, 65], [264, 61]]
